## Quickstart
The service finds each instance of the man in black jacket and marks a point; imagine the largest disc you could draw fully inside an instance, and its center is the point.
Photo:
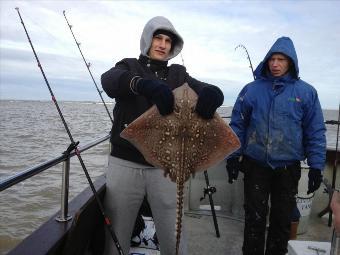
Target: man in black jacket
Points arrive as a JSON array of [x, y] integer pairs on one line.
[[137, 84]]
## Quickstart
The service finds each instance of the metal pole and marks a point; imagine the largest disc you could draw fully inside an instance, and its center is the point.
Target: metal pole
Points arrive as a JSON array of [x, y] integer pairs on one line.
[[64, 193]]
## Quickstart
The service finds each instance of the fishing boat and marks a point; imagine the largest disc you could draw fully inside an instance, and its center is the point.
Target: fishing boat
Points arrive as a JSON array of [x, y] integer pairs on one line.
[[213, 212], [213, 209]]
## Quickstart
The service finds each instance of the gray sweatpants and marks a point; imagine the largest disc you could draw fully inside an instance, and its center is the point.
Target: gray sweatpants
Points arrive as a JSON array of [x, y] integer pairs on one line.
[[126, 185]]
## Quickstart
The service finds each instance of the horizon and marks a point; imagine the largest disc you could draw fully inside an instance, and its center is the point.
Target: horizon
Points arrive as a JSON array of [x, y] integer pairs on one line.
[[106, 102]]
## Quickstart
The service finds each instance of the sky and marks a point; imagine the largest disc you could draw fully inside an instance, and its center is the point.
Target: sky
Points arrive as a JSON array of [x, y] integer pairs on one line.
[[110, 31]]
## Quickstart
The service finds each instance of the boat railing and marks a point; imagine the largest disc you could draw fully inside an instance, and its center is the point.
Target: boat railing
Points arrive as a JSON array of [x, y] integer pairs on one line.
[[63, 158]]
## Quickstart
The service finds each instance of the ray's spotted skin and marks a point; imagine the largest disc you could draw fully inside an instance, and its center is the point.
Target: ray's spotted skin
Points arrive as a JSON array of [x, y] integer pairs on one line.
[[181, 143]]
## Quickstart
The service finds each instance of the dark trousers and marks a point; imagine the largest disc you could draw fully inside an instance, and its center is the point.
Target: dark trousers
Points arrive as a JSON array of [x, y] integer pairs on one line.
[[260, 183]]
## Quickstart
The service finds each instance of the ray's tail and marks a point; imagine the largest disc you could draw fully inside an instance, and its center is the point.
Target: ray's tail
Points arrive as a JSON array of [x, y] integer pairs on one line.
[[180, 195]]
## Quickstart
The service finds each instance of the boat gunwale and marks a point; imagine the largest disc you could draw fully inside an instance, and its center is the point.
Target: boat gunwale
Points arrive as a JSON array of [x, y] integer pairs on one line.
[[55, 234]]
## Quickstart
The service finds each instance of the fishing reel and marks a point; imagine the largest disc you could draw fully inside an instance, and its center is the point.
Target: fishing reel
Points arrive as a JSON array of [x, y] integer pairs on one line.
[[208, 191]]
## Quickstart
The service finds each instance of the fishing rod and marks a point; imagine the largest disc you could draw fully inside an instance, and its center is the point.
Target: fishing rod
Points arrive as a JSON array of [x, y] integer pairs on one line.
[[210, 190], [335, 164], [250, 64], [74, 145], [330, 188], [88, 64]]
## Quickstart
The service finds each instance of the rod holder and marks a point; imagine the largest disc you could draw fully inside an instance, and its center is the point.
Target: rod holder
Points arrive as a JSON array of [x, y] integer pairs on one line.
[[63, 217]]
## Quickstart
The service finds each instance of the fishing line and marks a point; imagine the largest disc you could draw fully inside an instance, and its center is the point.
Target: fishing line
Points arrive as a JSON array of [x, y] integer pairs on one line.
[[250, 64], [74, 145], [88, 64], [182, 59]]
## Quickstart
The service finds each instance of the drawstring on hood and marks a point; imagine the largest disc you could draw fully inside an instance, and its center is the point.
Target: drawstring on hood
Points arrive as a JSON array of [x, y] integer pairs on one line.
[[160, 23]]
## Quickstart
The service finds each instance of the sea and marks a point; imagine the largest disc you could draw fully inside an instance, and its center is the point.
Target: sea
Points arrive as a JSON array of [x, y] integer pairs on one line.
[[31, 132]]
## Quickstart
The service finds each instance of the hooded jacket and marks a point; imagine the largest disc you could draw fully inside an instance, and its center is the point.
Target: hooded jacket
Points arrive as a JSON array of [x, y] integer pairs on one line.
[[279, 119], [129, 106], [150, 28]]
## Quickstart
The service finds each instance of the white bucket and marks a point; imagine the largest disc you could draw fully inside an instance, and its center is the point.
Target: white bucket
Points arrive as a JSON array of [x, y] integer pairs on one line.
[[304, 204]]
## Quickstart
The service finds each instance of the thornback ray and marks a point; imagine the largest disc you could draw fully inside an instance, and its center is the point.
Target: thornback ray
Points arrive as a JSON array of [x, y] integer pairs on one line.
[[181, 143]]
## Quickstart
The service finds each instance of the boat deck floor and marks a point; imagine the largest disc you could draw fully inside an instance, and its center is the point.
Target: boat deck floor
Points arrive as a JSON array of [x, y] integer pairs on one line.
[[202, 238]]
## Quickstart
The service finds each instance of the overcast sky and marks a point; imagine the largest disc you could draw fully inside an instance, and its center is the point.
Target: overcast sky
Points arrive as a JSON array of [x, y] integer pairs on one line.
[[110, 30]]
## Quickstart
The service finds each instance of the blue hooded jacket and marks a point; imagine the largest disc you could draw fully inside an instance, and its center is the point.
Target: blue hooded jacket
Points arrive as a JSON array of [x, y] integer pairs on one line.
[[279, 119]]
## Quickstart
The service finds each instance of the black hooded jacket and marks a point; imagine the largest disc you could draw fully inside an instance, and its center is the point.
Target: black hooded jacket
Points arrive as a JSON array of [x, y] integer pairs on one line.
[[116, 84]]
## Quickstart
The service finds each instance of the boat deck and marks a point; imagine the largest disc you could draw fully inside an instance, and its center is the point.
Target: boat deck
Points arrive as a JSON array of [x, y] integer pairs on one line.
[[202, 238], [81, 233]]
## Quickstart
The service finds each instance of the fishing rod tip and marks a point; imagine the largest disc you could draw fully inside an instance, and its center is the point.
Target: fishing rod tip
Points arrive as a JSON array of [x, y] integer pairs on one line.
[[239, 46], [63, 11], [17, 8]]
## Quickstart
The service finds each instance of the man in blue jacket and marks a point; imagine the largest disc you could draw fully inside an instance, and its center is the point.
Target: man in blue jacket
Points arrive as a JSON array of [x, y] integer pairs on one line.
[[279, 121]]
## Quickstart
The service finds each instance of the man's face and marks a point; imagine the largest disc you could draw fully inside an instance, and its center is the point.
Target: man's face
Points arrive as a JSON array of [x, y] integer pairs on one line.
[[160, 47], [278, 65]]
